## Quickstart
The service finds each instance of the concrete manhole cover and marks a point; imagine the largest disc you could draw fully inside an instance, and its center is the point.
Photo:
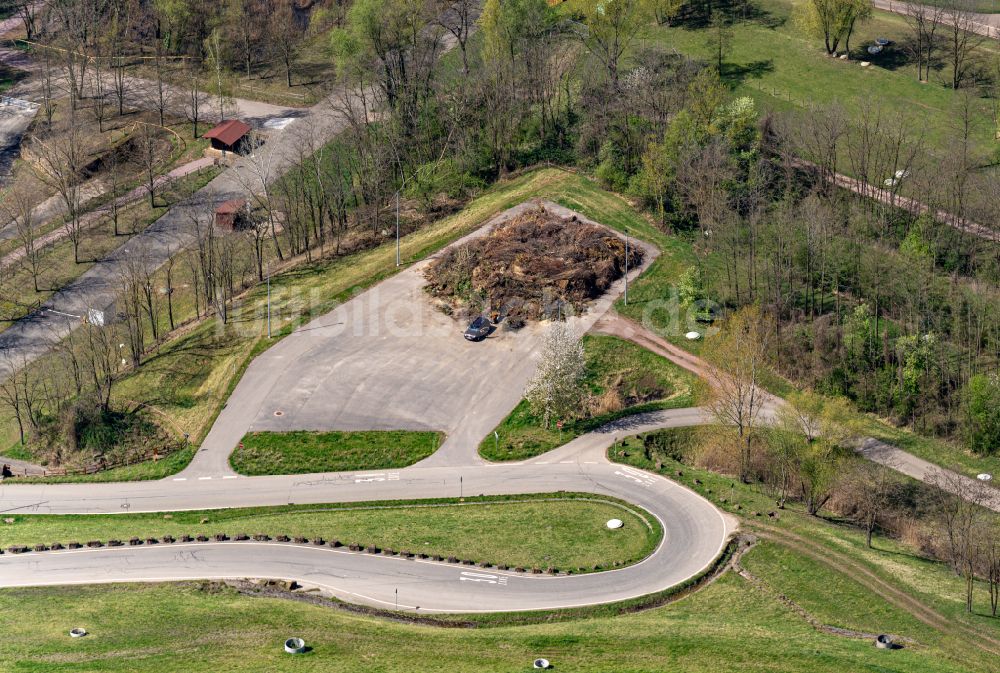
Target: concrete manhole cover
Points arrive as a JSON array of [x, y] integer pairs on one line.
[[692, 335], [295, 646], [985, 476], [279, 412], [77, 633], [615, 524], [542, 663]]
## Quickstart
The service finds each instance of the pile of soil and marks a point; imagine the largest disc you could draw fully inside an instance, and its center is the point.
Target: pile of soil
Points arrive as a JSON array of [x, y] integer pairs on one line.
[[530, 268]]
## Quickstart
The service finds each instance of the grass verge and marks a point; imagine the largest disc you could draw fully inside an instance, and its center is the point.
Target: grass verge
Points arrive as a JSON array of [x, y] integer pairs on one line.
[[144, 471], [771, 60], [622, 379]]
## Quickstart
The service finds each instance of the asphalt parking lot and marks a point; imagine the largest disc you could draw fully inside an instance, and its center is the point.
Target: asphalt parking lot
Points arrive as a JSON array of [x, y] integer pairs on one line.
[[388, 359]]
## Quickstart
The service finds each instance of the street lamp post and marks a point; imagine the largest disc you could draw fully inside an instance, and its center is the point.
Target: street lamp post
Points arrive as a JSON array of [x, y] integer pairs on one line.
[[626, 266]]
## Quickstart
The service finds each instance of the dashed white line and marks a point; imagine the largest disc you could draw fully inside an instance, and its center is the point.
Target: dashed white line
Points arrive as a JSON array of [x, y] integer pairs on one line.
[[203, 478], [180, 478], [230, 476]]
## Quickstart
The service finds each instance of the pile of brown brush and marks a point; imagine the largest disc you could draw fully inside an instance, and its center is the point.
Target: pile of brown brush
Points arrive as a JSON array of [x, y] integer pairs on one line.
[[532, 267]]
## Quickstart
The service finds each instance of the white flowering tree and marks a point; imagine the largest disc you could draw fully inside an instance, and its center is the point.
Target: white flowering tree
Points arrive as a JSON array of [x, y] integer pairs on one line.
[[556, 390]]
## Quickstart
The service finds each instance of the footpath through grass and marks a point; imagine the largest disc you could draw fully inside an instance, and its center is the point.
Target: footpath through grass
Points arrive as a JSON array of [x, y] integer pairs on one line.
[[565, 531], [622, 379], [262, 453]]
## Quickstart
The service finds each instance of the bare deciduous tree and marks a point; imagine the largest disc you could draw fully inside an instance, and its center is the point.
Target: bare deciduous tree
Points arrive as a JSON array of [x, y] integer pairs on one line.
[[873, 484], [924, 21], [284, 35], [20, 208], [961, 514], [147, 145], [963, 40], [59, 162], [21, 392], [739, 358], [256, 174]]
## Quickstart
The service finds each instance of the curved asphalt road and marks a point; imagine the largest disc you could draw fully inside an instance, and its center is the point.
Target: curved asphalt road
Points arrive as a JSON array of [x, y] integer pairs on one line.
[[694, 531]]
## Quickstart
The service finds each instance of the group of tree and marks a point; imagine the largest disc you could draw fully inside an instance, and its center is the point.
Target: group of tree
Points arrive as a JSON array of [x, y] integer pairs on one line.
[[243, 36], [803, 449]]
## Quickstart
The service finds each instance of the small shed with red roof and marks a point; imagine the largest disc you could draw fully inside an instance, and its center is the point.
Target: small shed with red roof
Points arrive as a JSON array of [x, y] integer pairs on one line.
[[229, 214], [231, 135]]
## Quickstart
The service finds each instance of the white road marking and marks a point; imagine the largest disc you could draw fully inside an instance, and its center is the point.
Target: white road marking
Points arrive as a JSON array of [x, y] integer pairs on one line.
[[230, 476], [180, 478], [368, 478], [203, 478], [565, 462], [483, 577], [646, 477], [629, 476]]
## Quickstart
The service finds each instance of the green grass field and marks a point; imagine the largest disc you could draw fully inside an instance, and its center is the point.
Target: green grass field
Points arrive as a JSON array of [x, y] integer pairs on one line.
[[567, 531], [772, 60], [645, 382], [304, 452], [728, 626]]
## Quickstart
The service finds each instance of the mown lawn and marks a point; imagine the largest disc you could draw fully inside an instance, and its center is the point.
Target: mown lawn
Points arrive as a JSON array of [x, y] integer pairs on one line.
[[774, 61], [950, 454], [644, 382], [563, 531], [304, 452], [728, 626]]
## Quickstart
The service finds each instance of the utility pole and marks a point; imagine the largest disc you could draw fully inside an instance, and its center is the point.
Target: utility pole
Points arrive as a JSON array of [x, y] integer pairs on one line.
[[269, 300], [397, 227]]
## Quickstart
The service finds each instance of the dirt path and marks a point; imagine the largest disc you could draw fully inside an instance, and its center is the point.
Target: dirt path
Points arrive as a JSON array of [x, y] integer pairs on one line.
[[890, 198], [895, 596], [983, 24], [873, 449], [766, 588]]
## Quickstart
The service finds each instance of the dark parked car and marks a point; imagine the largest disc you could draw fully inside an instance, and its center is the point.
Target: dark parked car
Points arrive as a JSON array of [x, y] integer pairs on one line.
[[479, 329]]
